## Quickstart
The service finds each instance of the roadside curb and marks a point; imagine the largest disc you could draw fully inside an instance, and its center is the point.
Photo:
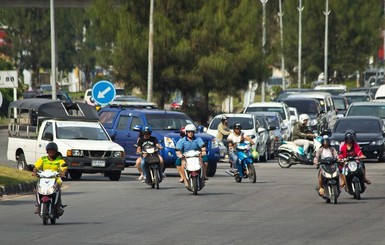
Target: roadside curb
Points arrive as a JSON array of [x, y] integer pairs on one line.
[[22, 188]]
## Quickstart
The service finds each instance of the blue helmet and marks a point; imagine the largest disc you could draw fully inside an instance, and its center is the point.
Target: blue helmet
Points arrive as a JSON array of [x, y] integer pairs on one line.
[[147, 129]]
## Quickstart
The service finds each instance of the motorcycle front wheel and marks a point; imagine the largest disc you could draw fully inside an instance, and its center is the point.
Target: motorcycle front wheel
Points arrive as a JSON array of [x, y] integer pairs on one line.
[[195, 185], [45, 213], [357, 191], [156, 179], [333, 194], [252, 174]]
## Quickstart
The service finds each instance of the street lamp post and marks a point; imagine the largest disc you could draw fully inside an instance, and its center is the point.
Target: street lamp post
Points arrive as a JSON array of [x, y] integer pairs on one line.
[[53, 50], [263, 89], [326, 13], [300, 9], [280, 14], [150, 53]]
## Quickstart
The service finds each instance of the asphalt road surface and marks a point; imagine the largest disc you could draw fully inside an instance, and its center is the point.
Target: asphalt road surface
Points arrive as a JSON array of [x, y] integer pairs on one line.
[[281, 208]]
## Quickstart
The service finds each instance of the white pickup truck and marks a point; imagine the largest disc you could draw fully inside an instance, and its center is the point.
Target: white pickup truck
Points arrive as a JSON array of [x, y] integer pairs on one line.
[[74, 127]]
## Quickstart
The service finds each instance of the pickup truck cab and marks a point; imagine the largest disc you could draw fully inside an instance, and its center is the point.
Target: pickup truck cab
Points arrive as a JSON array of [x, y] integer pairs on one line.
[[122, 124], [74, 127]]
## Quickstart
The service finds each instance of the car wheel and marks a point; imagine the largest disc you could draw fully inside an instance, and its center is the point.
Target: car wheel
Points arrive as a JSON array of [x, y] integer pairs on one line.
[[211, 169], [75, 175]]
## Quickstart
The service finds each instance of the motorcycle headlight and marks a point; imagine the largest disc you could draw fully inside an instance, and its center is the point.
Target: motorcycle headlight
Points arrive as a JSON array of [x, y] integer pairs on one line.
[[168, 142], [117, 154], [377, 142], [352, 166], [313, 122], [214, 143]]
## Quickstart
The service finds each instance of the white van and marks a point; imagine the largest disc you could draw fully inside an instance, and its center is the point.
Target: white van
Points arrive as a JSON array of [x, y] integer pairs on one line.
[[380, 94]]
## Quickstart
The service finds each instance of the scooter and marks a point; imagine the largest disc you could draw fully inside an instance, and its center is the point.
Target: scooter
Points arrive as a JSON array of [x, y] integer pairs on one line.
[[194, 171], [330, 175], [48, 196], [291, 154], [153, 170], [354, 176], [245, 167]]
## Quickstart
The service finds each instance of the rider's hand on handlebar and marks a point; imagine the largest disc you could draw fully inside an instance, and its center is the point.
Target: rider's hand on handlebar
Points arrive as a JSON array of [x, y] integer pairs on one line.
[[34, 174]]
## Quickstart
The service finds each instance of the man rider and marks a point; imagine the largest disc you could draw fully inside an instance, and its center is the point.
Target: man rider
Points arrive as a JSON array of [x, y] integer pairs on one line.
[[144, 140], [53, 161], [302, 134], [188, 143], [223, 130]]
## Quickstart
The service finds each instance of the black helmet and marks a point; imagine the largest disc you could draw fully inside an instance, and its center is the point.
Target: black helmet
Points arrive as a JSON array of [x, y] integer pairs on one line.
[[223, 118], [350, 135], [325, 139], [51, 146], [237, 125]]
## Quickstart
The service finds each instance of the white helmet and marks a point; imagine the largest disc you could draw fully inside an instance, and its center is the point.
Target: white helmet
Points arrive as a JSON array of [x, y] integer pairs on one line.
[[190, 127], [303, 117]]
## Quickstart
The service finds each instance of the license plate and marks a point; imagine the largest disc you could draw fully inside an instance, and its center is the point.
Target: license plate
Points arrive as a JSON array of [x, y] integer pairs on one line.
[[98, 163]]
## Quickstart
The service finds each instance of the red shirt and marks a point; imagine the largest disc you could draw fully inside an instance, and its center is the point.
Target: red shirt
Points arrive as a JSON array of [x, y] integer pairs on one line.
[[355, 151]]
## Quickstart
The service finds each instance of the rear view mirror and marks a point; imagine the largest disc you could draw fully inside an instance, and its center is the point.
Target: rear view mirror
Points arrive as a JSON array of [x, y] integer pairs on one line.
[[137, 128]]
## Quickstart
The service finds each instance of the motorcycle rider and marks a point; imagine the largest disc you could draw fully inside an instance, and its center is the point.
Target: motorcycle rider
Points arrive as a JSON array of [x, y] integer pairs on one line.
[[235, 137], [223, 130], [145, 140], [302, 134], [351, 149], [187, 143], [53, 161], [325, 151]]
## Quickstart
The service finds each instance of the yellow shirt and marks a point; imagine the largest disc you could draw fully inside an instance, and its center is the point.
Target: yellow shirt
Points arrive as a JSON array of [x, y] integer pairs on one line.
[[44, 163]]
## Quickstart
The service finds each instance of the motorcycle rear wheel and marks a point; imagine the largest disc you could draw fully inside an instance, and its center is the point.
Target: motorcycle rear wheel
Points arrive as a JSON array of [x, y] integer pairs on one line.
[[252, 173], [283, 163], [357, 190]]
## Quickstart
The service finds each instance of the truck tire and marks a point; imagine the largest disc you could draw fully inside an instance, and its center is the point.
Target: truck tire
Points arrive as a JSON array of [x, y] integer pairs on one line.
[[21, 163], [211, 169], [75, 175]]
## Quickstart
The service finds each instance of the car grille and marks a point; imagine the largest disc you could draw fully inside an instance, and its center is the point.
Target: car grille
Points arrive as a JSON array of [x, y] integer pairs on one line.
[[97, 153]]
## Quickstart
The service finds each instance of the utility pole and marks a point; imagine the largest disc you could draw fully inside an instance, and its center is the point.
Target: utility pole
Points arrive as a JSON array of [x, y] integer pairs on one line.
[[150, 53], [300, 9], [280, 14], [53, 50], [263, 89], [326, 13]]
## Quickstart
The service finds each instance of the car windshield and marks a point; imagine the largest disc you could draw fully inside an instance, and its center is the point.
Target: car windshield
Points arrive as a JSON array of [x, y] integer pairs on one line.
[[80, 130], [304, 107], [273, 121], [357, 98], [339, 103], [272, 109], [369, 110], [246, 122], [167, 121], [358, 125]]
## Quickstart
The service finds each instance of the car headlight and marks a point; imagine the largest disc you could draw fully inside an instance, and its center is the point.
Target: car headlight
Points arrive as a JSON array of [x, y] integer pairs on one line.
[[74, 153], [377, 142], [334, 142], [117, 154], [168, 142], [313, 122]]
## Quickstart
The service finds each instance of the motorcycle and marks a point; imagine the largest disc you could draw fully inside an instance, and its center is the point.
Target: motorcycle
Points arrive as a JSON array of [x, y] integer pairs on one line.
[[289, 153], [153, 170], [330, 175], [193, 171], [48, 196], [354, 176], [245, 167]]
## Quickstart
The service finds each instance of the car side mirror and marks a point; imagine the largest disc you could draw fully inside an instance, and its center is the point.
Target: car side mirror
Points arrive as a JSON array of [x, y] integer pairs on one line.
[[272, 128], [284, 127], [112, 137], [137, 128], [200, 129], [261, 130]]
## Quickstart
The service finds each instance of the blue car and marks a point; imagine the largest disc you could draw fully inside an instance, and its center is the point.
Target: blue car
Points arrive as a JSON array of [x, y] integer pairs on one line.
[[122, 125]]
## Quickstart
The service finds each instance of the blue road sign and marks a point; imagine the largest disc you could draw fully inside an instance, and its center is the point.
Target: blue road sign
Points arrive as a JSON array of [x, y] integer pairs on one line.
[[103, 92]]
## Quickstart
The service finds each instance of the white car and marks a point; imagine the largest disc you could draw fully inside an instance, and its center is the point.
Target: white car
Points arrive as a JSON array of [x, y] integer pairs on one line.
[[280, 107], [250, 127]]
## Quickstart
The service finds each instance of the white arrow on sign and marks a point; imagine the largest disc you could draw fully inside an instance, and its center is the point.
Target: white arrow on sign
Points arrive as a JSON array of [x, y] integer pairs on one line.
[[102, 93]]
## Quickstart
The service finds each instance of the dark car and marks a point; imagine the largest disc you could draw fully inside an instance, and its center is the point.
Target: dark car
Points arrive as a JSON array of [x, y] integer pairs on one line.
[[357, 96], [121, 122], [285, 93], [369, 134]]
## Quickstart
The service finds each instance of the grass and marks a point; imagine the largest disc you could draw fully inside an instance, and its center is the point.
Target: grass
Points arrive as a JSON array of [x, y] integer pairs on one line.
[[12, 176]]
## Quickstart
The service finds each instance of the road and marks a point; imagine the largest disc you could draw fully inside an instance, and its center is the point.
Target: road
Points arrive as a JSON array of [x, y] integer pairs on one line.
[[281, 208]]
